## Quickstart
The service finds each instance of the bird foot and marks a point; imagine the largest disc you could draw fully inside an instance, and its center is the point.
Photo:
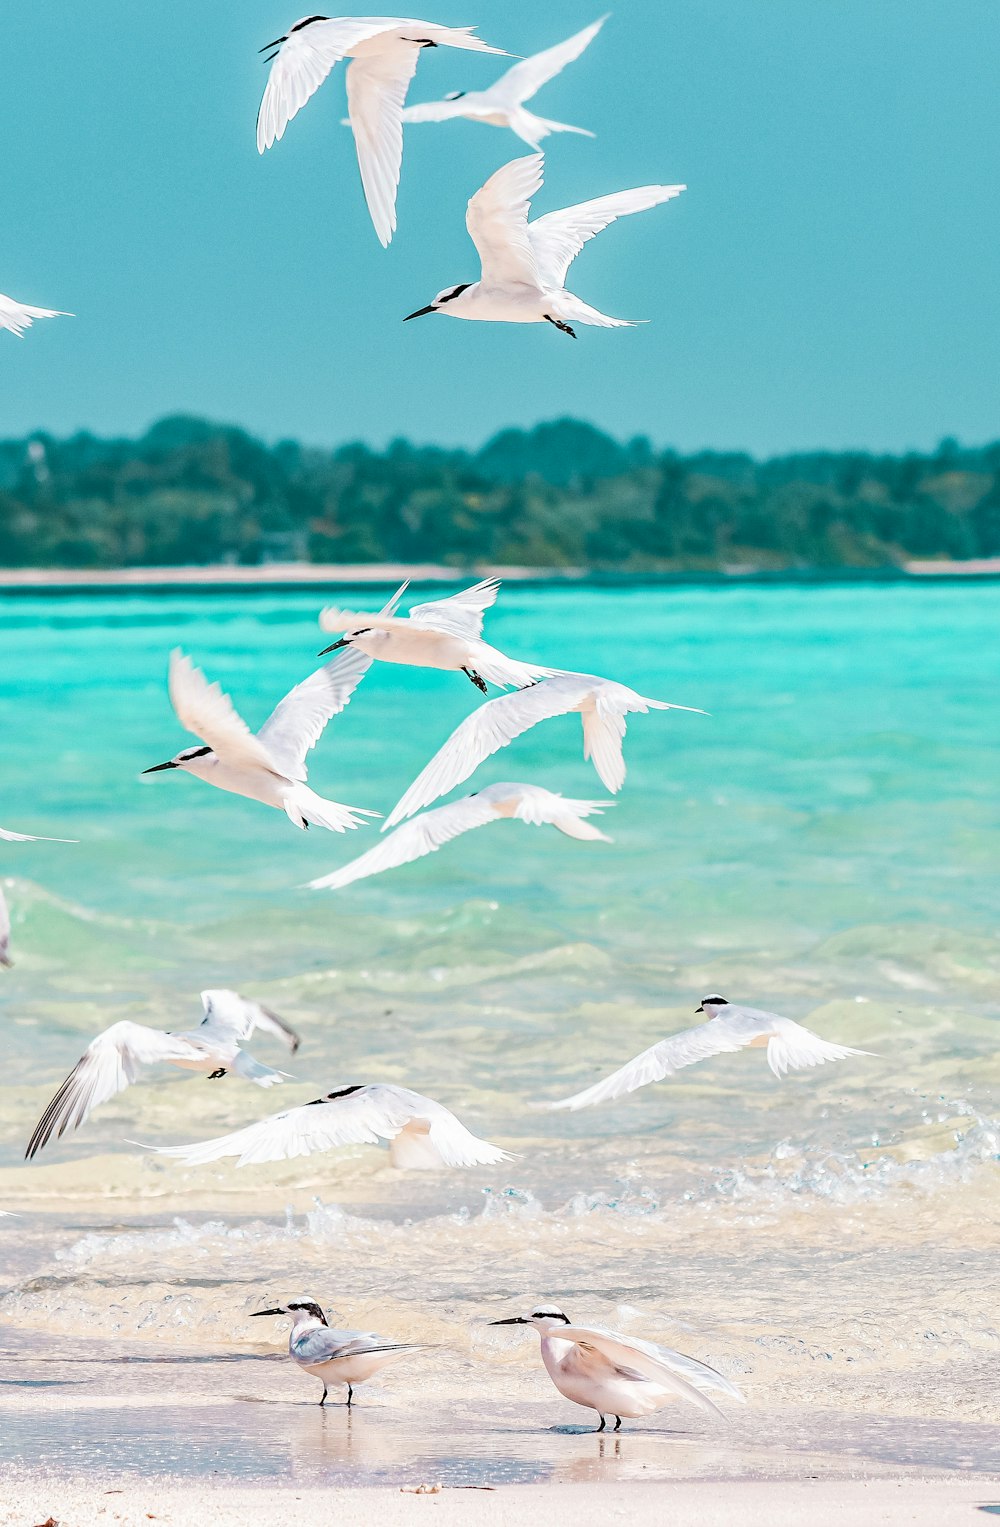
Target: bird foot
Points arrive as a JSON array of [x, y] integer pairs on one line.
[[479, 683], [563, 328], [213, 1076]]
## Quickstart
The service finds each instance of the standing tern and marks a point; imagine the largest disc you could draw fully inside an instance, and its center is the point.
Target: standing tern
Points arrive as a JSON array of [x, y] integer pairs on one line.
[[502, 104], [619, 1375], [384, 52], [445, 633], [524, 265], [335, 1357], [17, 316], [790, 1047], [115, 1059], [270, 766], [423, 1135], [15, 837], [603, 706], [426, 833]]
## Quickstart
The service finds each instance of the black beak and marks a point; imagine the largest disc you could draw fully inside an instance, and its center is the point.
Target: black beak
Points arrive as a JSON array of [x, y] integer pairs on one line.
[[420, 312], [266, 1312], [157, 767], [275, 44], [514, 1320], [699, 1009], [344, 640]]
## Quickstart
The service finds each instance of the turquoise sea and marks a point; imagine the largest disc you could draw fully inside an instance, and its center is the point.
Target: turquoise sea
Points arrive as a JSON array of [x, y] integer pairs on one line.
[[824, 843]]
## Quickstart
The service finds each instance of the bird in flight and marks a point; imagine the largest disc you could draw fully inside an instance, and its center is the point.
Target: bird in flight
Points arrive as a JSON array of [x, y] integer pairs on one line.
[[114, 1060], [445, 633], [524, 265], [602, 704], [383, 51], [334, 1357], [428, 832], [269, 766], [502, 104], [18, 316], [728, 1028], [619, 1375], [423, 1135]]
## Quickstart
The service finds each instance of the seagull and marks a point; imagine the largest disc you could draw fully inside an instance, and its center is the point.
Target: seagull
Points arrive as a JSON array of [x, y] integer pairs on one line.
[[502, 105], [384, 50], [423, 1135], [115, 1058], [446, 633], [790, 1047], [270, 766], [603, 706], [335, 1357], [17, 316], [619, 1375], [426, 833], [15, 837], [524, 265]]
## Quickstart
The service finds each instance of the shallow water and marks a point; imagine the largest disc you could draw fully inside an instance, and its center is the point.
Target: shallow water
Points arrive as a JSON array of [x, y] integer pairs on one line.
[[824, 843]]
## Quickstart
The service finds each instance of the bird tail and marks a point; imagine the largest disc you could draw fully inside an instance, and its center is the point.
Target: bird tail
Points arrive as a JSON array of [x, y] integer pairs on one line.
[[507, 672], [456, 37], [572, 823], [307, 809], [533, 128], [253, 1071], [573, 310], [796, 1048]]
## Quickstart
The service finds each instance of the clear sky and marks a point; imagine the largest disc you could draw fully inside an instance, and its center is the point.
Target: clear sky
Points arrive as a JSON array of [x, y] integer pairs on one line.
[[829, 279]]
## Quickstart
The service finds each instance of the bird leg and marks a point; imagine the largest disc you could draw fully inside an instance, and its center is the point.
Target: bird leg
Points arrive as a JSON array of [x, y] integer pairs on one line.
[[214, 1075], [323, 1400], [479, 683], [563, 328], [603, 1423], [350, 1396], [618, 1424]]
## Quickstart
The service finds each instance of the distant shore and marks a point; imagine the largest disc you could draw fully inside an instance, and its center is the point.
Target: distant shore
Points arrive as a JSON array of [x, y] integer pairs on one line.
[[318, 575]]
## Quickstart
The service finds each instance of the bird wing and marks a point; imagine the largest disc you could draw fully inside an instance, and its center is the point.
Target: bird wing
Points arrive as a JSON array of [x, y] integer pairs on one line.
[[321, 1345], [354, 1116], [424, 835], [298, 721], [557, 238], [716, 1037], [489, 728], [205, 710], [497, 220], [455, 1144], [300, 66], [18, 316], [623, 1353], [110, 1063], [459, 614], [376, 90], [521, 82], [29, 837], [793, 1048], [229, 1014], [697, 1373], [538, 807], [436, 111]]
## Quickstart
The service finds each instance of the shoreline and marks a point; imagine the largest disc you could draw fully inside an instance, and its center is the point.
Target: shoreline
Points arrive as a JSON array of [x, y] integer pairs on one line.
[[269, 577]]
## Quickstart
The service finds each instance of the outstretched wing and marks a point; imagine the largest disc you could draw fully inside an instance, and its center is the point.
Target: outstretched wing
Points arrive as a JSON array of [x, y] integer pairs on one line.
[[18, 316], [793, 1048], [489, 728], [203, 708], [497, 220], [226, 1012], [108, 1065], [425, 835], [521, 82], [376, 90], [435, 111], [29, 837], [298, 721], [637, 1357], [354, 1116], [697, 1373], [557, 238], [300, 66], [662, 1060], [460, 614]]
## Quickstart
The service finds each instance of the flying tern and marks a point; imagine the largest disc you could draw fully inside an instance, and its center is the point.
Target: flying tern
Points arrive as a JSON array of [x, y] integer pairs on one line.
[[335, 1357], [729, 1027], [426, 833], [603, 706], [423, 1135], [115, 1058], [270, 766], [445, 633], [17, 316], [502, 104], [524, 265], [619, 1375], [15, 837], [384, 52]]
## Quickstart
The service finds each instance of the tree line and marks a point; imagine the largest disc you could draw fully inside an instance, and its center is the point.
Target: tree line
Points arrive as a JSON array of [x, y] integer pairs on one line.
[[562, 494]]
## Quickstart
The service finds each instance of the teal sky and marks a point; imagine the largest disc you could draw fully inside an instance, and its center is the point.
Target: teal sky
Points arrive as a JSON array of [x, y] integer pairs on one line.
[[829, 279]]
